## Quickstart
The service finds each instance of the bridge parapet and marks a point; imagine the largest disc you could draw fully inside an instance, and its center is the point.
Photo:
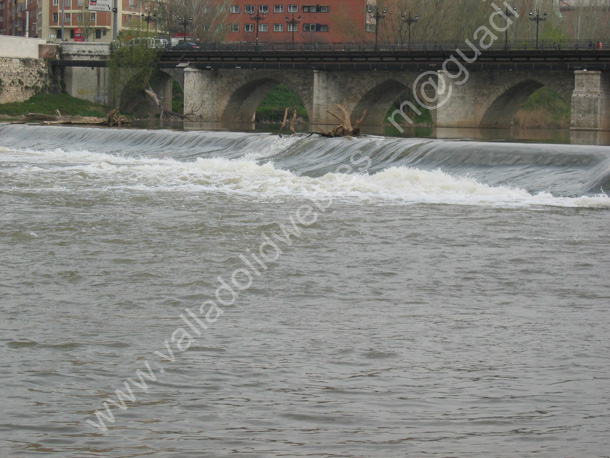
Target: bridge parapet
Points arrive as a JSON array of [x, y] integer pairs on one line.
[[85, 51]]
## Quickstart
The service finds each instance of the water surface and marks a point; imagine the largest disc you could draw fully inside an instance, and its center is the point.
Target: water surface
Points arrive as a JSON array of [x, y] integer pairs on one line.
[[451, 298]]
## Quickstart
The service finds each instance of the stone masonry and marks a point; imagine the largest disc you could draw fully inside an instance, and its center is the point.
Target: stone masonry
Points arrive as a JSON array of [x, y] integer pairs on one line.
[[20, 79]]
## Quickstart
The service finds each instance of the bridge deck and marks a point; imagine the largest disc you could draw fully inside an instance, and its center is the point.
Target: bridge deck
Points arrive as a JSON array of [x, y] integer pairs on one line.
[[368, 60]]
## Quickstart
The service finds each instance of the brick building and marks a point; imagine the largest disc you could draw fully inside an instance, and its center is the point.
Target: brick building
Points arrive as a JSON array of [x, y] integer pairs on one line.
[[281, 21], [44, 19]]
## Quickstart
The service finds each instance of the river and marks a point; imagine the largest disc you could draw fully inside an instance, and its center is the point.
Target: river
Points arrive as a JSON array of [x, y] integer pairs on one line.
[[210, 294]]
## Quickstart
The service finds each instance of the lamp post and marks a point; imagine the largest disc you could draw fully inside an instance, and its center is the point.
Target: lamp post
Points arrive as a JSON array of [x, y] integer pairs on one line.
[[257, 18], [538, 19], [293, 24], [409, 20], [63, 18], [508, 13], [27, 20], [375, 13], [148, 18], [184, 21], [115, 19]]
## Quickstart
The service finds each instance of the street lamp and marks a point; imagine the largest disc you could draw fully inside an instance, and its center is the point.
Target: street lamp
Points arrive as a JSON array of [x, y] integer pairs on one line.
[[63, 18], [409, 20], [293, 24], [508, 13], [184, 22], [148, 18], [538, 19], [257, 18], [375, 13]]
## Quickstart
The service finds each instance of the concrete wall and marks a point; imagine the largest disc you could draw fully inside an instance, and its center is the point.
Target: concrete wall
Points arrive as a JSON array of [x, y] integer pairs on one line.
[[87, 83], [20, 79], [19, 47]]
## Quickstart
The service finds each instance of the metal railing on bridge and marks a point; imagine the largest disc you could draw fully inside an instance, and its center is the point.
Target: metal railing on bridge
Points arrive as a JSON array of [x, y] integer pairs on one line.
[[499, 45]]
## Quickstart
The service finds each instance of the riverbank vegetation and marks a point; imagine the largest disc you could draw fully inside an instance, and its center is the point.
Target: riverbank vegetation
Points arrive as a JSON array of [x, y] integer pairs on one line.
[[274, 104], [544, 109], [48, 103]]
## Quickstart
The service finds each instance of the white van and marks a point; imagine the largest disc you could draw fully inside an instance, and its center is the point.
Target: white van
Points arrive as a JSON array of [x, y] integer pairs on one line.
[[149, 42]]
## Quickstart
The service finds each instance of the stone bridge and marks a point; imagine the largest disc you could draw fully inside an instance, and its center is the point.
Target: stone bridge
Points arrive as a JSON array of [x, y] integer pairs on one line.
[[225, 86], [487, 98]]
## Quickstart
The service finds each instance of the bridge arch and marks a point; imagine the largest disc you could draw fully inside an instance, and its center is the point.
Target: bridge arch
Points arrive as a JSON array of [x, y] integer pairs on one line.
[[136, 101], [240, 98], [502, 103], [378, 99]]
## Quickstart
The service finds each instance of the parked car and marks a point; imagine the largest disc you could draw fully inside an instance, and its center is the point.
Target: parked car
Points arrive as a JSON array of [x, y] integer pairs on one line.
[[186, 46], [149, 42]]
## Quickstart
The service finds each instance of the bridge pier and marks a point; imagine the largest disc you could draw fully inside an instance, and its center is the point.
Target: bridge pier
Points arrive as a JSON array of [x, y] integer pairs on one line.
[[591, 100], [201, 94]]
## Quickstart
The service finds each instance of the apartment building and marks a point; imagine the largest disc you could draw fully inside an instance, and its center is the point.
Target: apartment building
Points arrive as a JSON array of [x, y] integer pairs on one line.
[[47, 18], [301, 21]]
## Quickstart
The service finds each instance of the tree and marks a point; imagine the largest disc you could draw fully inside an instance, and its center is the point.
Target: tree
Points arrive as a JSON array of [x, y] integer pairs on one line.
[[206, 18]]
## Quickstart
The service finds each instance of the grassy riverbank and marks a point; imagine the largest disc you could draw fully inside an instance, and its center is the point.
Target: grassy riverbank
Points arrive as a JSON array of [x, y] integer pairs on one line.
[[48, 103]]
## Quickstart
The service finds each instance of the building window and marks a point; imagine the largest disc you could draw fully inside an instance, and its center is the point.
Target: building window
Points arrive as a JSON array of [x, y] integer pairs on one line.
[[55, 2], [263, 9], [249, 28], [92, 17], [293, 8], [315, 28], [67, 17], [293, 28], [98, 34], [249, 9], [79, 17], [132, 3], [234, 9], [278, 27], [278, 8], [234, 28], [370, 28], [79, 2], [263, 27], [220, 27], [68, 2], [55, 17], [316, 9]]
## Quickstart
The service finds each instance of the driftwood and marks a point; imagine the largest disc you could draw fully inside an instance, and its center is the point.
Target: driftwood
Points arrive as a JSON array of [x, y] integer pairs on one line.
[[345, 129], [155, 98], [292, 121], [284, 121], [112, 119]]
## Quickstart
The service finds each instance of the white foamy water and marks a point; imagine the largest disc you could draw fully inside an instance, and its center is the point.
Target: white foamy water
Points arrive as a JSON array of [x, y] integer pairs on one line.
[[264, 180]]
